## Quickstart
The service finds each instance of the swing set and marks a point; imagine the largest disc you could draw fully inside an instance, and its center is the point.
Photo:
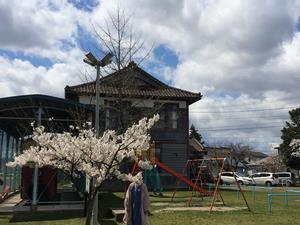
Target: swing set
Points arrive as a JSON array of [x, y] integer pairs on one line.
[[205, 173]]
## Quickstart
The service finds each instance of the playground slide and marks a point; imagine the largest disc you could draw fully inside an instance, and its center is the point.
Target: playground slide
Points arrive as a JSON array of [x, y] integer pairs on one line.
[[180, 177]]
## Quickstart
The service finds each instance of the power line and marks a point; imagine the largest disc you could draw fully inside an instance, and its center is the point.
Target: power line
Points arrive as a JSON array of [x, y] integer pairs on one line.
[[242, 128], [261, 142], [251, 104], [270, 138], [244, 118], [240, 125], [256, 138], [249, 110]]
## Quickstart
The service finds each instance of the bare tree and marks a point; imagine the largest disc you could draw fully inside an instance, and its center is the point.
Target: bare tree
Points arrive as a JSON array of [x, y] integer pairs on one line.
[[235, 154], [274, 163], [118, 37], [239, 153]]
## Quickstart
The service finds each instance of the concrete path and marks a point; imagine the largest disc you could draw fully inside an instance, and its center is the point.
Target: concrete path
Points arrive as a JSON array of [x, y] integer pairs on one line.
[[8, 205], [16, 204]]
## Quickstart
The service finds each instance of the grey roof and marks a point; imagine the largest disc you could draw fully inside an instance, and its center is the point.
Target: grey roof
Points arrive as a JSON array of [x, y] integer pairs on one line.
[[195, 145], [140, 84]]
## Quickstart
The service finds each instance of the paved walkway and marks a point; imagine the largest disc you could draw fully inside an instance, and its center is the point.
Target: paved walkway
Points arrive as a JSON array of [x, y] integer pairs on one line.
[[45, 208], [9, 203], [12, 204]]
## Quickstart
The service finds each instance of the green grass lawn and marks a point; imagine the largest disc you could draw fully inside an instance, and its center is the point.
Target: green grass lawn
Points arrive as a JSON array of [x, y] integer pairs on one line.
[[259, 215], [57, 218]]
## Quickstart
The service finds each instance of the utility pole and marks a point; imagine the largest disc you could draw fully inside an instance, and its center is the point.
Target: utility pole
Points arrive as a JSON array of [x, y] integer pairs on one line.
[[93, 61]]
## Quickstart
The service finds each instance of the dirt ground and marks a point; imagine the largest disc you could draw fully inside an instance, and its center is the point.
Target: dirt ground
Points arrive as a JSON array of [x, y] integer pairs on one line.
[[204, 208], [176, 204]]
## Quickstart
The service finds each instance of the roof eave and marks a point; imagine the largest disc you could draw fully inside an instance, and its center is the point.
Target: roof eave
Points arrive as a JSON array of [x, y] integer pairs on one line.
[[189, 100]]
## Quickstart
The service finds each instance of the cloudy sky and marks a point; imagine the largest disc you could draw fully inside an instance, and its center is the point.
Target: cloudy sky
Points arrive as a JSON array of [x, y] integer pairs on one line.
[[243, 56]]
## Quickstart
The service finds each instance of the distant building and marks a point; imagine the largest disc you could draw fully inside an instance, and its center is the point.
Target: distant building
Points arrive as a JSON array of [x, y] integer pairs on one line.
[[241, 159], [196, 149]]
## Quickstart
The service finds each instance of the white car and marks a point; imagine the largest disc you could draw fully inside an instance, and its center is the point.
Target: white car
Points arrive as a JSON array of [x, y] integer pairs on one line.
[[228, 178], [286, 178], [265, 178]]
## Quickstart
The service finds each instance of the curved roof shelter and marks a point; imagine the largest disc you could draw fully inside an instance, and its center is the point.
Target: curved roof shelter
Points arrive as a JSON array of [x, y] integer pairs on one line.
[[18, 112]]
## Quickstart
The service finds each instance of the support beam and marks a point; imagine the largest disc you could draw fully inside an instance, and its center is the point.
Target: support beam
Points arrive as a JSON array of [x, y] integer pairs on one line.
[[7, 147], [11, 170], [1, 154], [36, 169]]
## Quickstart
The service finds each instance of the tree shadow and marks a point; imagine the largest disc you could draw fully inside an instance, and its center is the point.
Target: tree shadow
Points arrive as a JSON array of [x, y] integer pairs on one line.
[[108, 201], [107, 222], [42, 216]]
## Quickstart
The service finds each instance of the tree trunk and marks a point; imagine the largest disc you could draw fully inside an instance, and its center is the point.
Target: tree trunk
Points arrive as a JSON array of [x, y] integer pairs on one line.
[[90, 206]]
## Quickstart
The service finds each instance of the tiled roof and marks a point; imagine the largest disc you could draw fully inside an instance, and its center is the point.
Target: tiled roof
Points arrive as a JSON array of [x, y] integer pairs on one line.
[[160, 91], [169, 92], [195, 145], [258, 154]]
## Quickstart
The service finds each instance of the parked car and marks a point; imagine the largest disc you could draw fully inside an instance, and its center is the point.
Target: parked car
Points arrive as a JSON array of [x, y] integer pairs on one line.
[[265, 178], [228, 178], [286, 178]]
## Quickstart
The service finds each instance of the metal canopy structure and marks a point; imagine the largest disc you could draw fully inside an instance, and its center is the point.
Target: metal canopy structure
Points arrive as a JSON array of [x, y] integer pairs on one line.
[[16, 115], [18, 112]]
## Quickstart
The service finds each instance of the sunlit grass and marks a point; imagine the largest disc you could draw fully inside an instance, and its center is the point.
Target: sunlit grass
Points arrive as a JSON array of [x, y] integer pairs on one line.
[[282, 213]]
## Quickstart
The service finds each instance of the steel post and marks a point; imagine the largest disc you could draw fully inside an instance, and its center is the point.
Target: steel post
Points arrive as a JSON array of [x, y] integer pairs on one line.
[[95, 209], [36, 169]]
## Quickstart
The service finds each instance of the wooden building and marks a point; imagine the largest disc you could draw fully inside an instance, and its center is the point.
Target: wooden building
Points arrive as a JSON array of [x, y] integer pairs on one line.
[[132, 93]]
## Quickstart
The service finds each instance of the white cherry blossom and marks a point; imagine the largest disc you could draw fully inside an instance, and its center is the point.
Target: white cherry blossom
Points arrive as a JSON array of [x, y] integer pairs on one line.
[[80, 151], [295, 144], [98, 158]]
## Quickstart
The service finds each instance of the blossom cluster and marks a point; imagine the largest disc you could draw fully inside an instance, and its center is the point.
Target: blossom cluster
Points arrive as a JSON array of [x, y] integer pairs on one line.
[[98, 158], [295, 145]]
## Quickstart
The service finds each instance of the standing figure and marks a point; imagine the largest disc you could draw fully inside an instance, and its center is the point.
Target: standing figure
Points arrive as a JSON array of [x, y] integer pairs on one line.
[[136, 203], [157, 188]]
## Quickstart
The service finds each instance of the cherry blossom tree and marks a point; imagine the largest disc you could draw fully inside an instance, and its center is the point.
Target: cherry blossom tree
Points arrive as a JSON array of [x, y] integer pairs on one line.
[[81, 151]]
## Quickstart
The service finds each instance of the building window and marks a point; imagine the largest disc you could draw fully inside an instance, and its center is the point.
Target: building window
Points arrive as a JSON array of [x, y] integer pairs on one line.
[[107, 118], [117, 114], [110, 114], [172, 114], [168, 116]]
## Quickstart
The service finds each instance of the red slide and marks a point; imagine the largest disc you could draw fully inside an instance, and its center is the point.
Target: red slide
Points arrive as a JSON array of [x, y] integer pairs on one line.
[[180, 177]]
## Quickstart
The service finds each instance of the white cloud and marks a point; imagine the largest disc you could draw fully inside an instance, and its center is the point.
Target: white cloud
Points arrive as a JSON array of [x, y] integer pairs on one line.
[[43, 29], [39, 28], [238, 54], [245, 49], [21, 77]]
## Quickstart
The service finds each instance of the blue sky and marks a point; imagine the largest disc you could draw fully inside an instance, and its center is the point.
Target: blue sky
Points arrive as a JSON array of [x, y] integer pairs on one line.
[[166, 56], [34, 60], [86, 5], [249, 63]]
